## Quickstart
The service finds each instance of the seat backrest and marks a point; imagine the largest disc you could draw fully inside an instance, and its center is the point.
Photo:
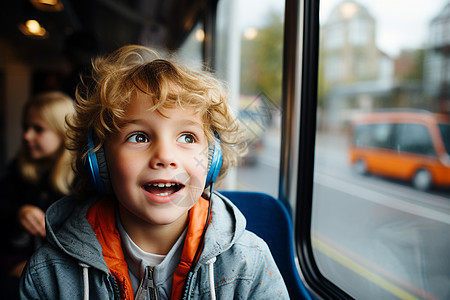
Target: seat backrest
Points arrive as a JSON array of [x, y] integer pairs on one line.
[[269, 219]]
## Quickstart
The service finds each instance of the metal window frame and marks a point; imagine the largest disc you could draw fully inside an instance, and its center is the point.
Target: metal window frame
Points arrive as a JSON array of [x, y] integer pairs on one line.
[[300, 80]]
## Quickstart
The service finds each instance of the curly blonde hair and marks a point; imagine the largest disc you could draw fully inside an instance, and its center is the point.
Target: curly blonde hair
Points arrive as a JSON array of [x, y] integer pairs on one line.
[[102, 99], [54, 107]]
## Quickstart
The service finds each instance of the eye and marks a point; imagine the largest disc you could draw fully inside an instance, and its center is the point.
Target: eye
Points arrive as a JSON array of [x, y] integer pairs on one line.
[[138, 138], [187, 138], [38, 129]]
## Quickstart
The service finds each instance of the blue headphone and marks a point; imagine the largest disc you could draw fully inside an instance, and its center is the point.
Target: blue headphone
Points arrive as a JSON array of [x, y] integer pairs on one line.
[[215, 159], [97, 168]]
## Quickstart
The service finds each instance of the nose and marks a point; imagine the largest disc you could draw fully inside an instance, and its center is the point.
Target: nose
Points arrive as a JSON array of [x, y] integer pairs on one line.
[[163, 154], [28, 134]]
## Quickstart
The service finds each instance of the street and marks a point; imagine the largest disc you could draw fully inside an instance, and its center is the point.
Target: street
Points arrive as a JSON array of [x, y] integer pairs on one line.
[[388, 227]]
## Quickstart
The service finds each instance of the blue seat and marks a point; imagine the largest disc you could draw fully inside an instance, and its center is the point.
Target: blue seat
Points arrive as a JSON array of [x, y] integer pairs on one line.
[[269, 219]]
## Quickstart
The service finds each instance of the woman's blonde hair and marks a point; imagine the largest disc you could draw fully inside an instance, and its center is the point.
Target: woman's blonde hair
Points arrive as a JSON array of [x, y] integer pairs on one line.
[[101, 100], [54, 107]]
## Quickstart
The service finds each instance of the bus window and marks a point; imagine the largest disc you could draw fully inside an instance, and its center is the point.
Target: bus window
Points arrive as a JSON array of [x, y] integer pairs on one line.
[[415, 138], [383, 235], [373, 135], [249, 57], [445, 134]]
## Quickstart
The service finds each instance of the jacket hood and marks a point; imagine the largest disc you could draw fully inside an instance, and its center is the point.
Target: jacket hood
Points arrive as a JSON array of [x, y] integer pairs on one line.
[[226, 226], [68, 229]]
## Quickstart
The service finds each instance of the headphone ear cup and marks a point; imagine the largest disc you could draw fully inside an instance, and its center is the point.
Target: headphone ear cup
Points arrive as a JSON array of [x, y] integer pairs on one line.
[[97, 168], [215, 158]]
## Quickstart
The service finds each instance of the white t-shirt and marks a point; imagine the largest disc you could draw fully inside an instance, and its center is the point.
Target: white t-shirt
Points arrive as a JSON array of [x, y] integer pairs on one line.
[[137, 260]]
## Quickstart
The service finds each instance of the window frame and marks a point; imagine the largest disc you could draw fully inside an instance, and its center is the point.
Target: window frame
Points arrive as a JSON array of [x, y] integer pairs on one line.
[[300, 64]]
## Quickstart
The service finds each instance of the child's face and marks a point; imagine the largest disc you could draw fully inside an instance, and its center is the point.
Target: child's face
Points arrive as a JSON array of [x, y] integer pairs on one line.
[[157, 165], [40, 141]]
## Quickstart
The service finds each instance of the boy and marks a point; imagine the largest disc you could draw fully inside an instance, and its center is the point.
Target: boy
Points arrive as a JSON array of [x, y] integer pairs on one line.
[[151, 135]]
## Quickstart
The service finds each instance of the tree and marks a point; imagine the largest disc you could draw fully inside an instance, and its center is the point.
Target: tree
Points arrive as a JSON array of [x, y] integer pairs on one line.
[[262, 59]]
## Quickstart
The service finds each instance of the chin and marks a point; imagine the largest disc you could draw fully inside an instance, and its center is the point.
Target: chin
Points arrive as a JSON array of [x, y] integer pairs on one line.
[[169, 219]]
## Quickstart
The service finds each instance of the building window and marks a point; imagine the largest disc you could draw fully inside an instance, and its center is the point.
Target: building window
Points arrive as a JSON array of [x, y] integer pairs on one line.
[[334, 36], [359, 33]]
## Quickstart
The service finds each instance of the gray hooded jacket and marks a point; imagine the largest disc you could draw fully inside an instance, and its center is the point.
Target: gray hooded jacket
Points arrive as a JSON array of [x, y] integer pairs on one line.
[[234, 264]]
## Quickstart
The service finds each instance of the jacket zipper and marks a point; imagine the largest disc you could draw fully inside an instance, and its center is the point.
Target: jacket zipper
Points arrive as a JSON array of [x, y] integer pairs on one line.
[[115, 286], [147, 286], [151, 285]]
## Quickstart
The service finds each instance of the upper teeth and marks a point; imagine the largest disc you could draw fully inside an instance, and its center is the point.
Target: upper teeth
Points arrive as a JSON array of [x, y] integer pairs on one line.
[[169, 184]]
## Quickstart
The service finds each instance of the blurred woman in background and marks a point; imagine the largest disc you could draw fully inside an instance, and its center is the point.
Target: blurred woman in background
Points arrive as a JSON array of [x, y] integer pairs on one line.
[[41, 174]]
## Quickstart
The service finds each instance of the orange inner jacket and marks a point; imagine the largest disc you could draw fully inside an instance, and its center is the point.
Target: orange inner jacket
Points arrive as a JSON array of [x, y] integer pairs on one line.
[[102, 219]]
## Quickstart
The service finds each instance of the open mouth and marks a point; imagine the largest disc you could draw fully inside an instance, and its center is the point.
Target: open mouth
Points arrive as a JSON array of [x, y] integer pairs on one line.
[[163, 189]]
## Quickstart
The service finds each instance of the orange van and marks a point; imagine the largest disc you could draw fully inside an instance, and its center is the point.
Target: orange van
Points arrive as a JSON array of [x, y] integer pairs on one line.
[[407, 145]]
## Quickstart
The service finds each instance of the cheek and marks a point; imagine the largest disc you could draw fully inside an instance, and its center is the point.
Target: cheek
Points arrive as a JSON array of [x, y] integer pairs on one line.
[[51, 142], [198, 167], [121, 167], [120, 176]]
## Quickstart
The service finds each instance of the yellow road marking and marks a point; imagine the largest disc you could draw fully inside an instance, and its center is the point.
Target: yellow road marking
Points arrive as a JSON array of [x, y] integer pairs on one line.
[[355, 267]]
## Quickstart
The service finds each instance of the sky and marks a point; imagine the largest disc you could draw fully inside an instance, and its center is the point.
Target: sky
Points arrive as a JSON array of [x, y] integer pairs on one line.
[[401, 24]]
